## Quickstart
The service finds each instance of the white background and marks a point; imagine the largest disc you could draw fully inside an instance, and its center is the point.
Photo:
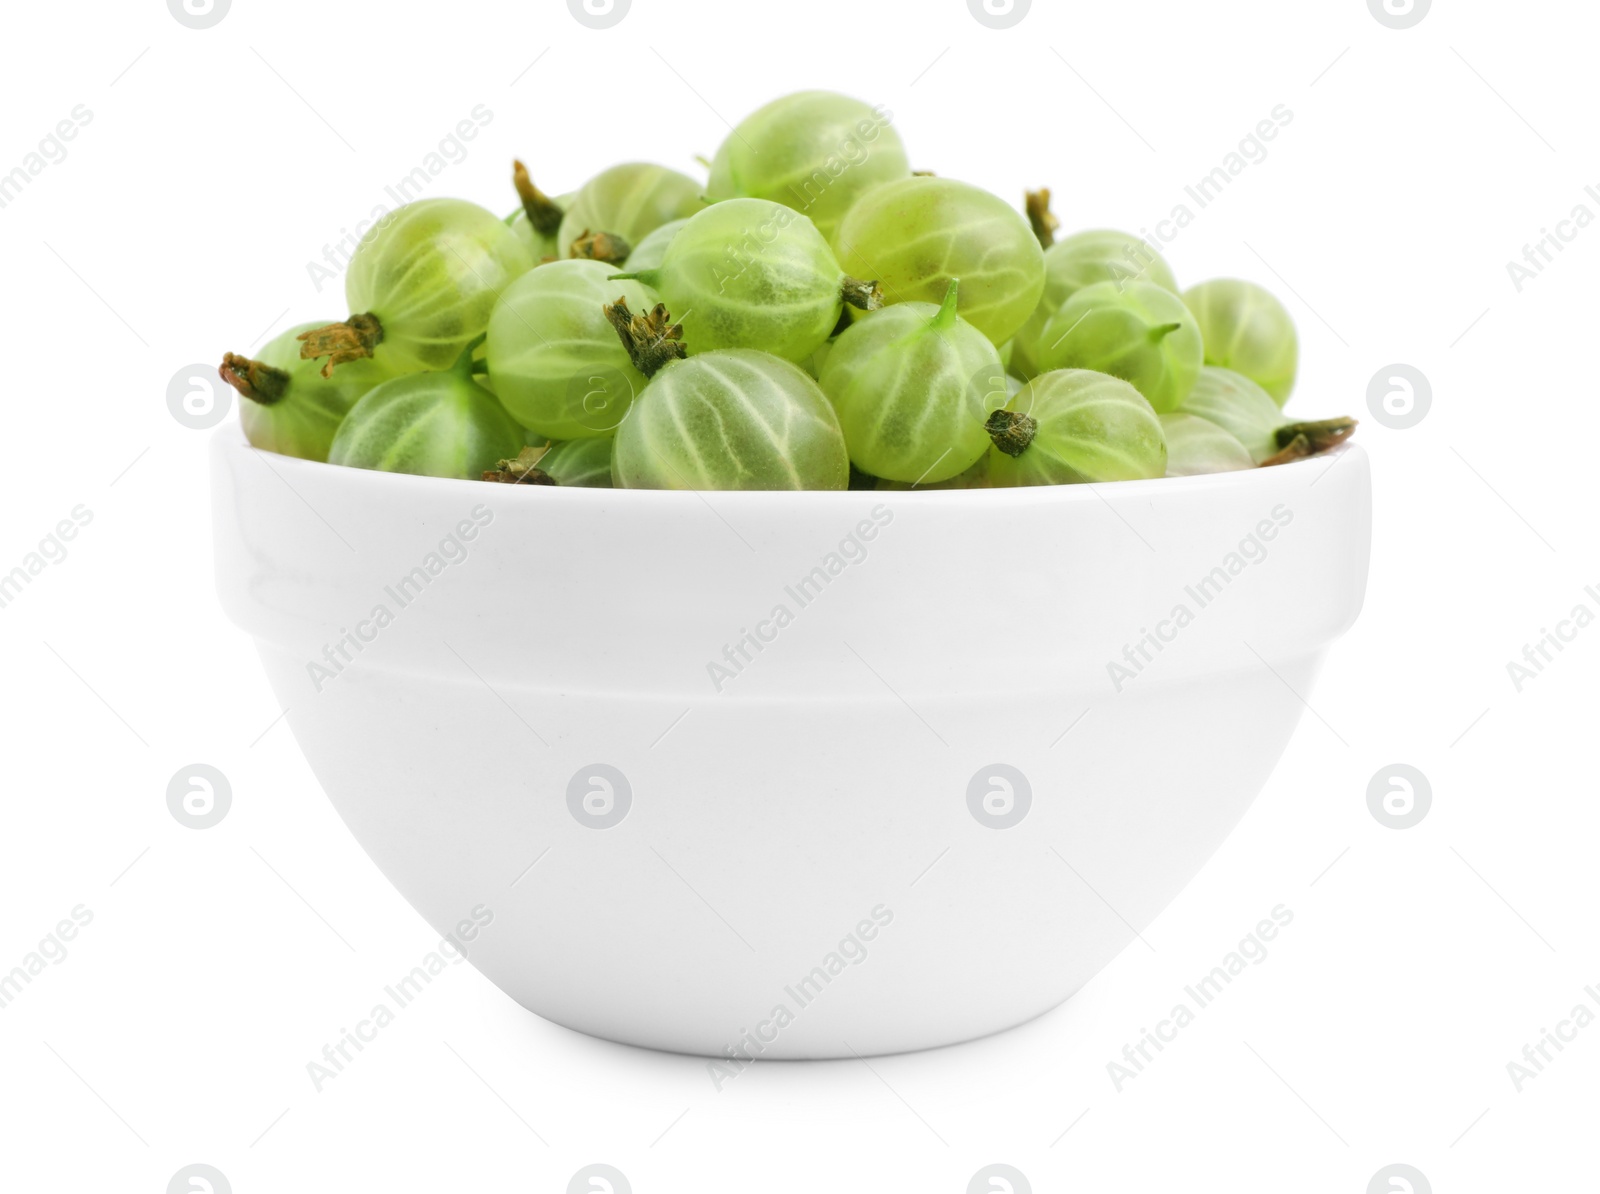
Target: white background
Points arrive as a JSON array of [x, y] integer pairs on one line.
[[219, 162]]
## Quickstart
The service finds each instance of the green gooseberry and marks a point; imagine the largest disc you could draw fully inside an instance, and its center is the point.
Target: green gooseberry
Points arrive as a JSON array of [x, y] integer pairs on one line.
[[1137, 331], [648, 253], [422, 283], [814, 151], [1249, 331], [1240, 407], [585, 463], [440, 424], [1075, 425], [1080, 260], [554, 359], [628, 202], [292, 409], [733, 418], [902, 383], [919, 233], [1195, 446], [749, 273]]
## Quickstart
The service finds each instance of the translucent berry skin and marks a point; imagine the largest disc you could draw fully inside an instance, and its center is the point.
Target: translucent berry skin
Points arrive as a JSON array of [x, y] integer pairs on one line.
[[554, 360], [648, 253], [746, 273], [916, 235], [1137, 331], [1249, 331], [902, 382], [539, 245], [431, 272], [303, 421], [734, 419], [431, 424], [631, 201], [1090, 427], [1082, 260], [814, 151], [1195, 446], [1240, 407], [585, 463]]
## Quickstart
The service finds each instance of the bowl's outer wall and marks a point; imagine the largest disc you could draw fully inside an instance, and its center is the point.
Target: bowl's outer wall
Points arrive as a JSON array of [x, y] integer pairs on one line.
[[777, 803]]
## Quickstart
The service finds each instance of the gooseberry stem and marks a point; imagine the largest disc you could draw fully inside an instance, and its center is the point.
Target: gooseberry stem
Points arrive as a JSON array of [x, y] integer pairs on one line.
[[464, 363], [601, 246], [523, 470], [540, 209], [652, 341], [254, 380], [1011, 430], [1297, 448], [1321, 434], [1040, 216], [868, 296], [947, 309], [1161, 331], [352, 340]]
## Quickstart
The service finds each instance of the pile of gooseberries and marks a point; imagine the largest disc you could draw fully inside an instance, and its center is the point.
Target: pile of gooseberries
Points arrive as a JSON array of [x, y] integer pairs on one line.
[[817, 315]]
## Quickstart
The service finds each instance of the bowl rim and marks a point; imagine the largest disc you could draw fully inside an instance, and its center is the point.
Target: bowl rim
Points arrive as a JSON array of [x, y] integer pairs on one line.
[[230, 437]]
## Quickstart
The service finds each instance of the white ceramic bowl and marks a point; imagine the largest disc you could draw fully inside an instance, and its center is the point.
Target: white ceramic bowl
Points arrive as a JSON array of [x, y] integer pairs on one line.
[[929, 807]]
